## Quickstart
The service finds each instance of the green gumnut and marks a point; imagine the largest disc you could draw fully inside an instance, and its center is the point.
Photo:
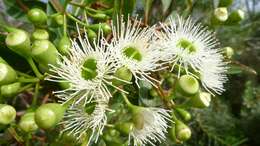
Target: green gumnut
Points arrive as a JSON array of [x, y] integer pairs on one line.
[[228, 52], [105, 28], [7, 74], [64, 45], [184, 114], [44, 52], [91, 35], [10, 90], [124, 74], [7, 114], [124, 128], [27, 122], [201, 100], [182, 131], [48, 115], [40, 34], [57, 20], [187, 85], [37, 16], [235, 17], [225, 3], [220, 15], [19, 42]]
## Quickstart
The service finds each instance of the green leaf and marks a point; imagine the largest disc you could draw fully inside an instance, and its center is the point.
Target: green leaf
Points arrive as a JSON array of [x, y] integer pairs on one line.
[[147, 8], [165, 5]]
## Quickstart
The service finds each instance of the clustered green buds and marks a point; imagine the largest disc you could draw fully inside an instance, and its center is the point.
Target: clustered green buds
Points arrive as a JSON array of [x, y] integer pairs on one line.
[[37, 16], [44, 52], [27, 122], [7, 74], [124, 74], [124, 128], [10, 90], [7, 114], [187, 86], [228, 52], [103, 26], [64, 45], [19, 42], [201, 100], [182, 131], [57, 20], [48, 115], [40, 34], [184, 114]]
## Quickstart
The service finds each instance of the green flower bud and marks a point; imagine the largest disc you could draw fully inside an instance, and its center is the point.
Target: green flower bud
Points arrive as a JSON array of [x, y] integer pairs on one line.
[[225, 3], [7, 114], [172, 134], [123, 74], [105, 28], [48, 115], [7, 74], [201, 100], [27, 122], [138, 119], [235, 17], [187, 85], [40, 34], [125, 128], [100, 16], [64, 45], [228, 52], [221, 14], [182, 131], [57, 20], [44, 52], [112, 138], [10, 90], [19, 42], [37, 16], [91, 35], [184, 114]]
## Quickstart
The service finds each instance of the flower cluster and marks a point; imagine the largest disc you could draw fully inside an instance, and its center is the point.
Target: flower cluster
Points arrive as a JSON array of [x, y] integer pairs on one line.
[[94, 70]]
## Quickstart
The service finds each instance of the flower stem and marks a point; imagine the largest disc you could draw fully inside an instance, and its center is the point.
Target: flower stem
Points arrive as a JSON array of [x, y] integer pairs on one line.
[[25, 87], [24, 74], [34, 68], [28, 80], [76, 20], [129, 104], [34, 101]]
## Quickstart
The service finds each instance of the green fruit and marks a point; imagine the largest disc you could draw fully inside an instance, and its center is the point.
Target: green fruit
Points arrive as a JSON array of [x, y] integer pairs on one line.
[[19, 42], [40, 34], [44, 52], [27, 122], [37, 16], [103, 26], [187, 85], [7, 114], [10, 90], [57, 20], [182, 131], [235, 17], [201, 100], [225, 3], [228, 52], [48, 115], [64, 45], [91, 35], [221, 14], [7, 74], [125, 128], [184, 114], [123, 74]]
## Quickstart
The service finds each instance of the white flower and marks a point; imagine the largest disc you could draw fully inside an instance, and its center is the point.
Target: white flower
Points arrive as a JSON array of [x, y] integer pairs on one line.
[[88, 68], [131, 47], [152, 126], [77, 121], [193, 49]]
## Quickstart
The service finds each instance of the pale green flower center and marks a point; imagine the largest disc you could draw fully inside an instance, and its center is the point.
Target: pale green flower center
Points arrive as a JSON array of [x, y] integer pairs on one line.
[[188, 45], [89, 69], [133, 53]]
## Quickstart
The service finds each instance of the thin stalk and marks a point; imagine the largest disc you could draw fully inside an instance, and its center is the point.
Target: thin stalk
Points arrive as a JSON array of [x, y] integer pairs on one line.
[[28, 80], [35, 96], [25, 87], [126, 100], [23, 74], [34, 68], [76, 20]]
